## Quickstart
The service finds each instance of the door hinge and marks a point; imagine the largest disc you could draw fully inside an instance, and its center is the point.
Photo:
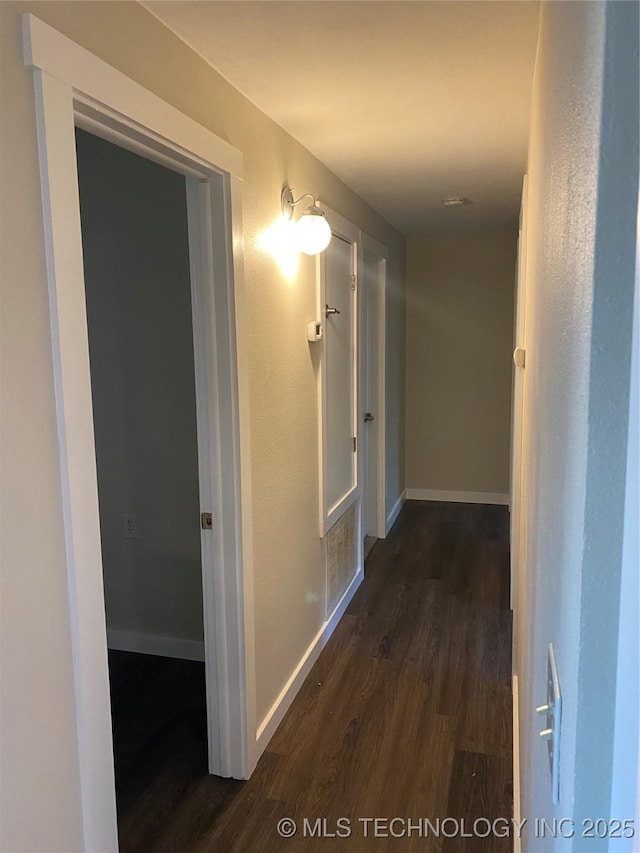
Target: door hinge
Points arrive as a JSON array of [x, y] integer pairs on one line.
[[355, 444], [354, 282], [206, 520]]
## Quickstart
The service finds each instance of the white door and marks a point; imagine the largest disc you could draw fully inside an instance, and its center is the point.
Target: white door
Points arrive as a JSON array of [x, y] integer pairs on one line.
[[340, 347], [338, 385], [519, 359]]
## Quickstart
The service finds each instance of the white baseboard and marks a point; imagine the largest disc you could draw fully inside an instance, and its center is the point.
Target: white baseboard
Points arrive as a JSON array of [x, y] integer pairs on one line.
[[517, 804], [395, 512], [154, 644], [458, 497], [274, 717]]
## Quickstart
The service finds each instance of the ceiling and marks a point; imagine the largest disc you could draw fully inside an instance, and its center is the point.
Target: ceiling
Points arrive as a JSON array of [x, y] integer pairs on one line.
[[408, 102]]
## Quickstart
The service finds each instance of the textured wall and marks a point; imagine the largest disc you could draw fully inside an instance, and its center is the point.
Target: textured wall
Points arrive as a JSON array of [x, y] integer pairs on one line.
[[582, 199], [608, 417], [40, 791], [563, 170], [625, 789], [460, 297]]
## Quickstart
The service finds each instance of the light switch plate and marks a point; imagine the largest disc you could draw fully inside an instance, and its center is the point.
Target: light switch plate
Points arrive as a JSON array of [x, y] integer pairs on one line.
[[553, 715]]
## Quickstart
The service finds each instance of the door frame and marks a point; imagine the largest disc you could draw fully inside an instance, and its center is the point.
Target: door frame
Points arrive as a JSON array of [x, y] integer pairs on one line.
[[380, 251], [347, 231], [73, 87], [517, 497]]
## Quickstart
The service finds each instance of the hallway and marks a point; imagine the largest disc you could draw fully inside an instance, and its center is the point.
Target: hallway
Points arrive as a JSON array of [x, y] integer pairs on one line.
[[406, 714]]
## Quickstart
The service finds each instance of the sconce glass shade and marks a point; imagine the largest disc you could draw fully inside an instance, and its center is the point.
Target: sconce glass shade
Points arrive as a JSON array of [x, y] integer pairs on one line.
[[313, 232]]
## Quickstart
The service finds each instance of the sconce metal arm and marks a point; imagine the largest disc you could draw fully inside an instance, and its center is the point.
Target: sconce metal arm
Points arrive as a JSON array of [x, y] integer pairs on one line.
[[288, 202]]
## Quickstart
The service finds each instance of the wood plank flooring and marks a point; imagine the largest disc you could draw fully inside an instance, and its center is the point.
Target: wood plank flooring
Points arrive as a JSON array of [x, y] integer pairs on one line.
[[369, 542], [407, 714]]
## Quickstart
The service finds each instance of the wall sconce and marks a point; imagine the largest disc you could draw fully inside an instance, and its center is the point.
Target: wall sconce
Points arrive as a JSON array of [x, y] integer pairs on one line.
[[313, 232]]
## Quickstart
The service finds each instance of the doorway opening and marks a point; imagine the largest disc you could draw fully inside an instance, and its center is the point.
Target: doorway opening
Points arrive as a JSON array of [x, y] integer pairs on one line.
[[138, 299], [73, 89]]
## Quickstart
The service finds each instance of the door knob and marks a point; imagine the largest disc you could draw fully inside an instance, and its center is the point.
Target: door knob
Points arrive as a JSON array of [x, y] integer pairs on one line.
[[368, 417]]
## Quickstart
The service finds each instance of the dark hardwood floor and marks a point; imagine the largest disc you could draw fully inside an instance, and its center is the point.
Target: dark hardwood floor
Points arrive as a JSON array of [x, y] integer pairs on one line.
[[406, 714]]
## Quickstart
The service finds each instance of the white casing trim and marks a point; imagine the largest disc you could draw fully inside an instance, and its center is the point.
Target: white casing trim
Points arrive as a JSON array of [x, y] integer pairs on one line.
[[276, 713], [517, 804], [498, 498], [155, 644], [95, 79]]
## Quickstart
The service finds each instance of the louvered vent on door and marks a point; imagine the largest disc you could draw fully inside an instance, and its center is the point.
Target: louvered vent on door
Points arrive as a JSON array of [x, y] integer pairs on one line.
[[342, 555]]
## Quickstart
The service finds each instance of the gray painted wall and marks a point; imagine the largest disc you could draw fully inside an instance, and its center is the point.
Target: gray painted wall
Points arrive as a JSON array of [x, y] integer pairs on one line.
[[136, 259], [582, 214], [460, 301], [625, 788], [609, 410]]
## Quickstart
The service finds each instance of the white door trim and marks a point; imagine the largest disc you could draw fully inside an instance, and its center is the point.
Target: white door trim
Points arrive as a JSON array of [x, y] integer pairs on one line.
[[517, 500], [368, 244], [74, 87], [51, 51], [517, 797]]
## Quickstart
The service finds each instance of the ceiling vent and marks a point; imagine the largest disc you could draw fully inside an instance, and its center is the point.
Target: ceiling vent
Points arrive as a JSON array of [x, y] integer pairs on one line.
[[456, 201]]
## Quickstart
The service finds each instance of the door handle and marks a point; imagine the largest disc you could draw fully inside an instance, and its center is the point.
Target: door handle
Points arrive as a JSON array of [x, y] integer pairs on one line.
[[328, 310], [368, 417]]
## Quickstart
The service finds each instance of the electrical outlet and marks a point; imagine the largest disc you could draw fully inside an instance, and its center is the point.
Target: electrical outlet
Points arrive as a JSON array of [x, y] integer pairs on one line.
[[130, 526]]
